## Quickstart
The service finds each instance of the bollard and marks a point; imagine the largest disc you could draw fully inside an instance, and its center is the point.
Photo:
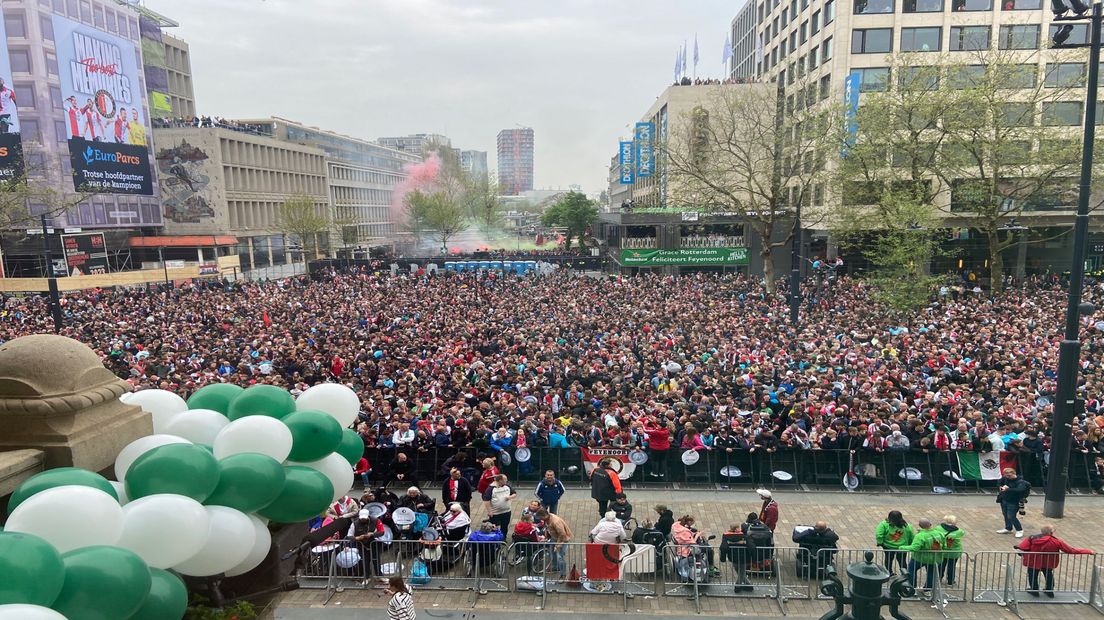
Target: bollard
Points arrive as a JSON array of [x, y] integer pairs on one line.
[[865, 597]]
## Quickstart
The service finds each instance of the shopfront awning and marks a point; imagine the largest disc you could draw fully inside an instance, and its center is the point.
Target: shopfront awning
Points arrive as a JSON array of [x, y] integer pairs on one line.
[[183, 241]]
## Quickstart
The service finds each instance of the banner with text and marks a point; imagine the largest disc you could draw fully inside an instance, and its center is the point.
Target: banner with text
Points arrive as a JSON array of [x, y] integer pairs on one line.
[[852, 84], [104, 110], [85, 254], [11, 145], [684, 257], [628, 171], [644, 137]]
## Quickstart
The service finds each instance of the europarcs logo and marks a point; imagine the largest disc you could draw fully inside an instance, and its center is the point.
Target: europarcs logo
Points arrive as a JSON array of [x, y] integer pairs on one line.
[[92, 155]]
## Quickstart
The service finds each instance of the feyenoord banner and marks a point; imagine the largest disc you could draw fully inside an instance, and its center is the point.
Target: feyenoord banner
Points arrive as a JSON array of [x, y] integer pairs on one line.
[[592, 456], [11, 145], [104, 110]]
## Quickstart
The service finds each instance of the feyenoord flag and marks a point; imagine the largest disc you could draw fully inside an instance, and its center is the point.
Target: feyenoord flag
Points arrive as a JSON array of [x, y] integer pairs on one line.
[[592, 456], [985, 465]]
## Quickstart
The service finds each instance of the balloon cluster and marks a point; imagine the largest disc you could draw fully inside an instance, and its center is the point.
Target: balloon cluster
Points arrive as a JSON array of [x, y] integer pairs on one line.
[[195, 498]]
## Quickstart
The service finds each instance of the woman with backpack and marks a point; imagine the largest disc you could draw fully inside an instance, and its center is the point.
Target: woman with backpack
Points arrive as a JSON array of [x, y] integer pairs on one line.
[[892, 534]]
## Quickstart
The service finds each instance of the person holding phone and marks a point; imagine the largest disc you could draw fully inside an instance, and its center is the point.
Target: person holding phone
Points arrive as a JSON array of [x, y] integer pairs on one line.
[[401, 605]]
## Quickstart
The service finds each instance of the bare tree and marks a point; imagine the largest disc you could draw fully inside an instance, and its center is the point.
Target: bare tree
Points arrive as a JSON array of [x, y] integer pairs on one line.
[[300, 216]]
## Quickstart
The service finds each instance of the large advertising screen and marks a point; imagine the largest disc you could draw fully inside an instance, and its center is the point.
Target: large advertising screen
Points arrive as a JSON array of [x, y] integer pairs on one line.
[[85, 254], [11, 146], [104, 112]]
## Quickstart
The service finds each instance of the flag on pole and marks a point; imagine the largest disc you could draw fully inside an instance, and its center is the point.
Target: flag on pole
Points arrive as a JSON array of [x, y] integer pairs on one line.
[[678, 64], [985, 465], [695, 52], [726, 55], [684, 64]]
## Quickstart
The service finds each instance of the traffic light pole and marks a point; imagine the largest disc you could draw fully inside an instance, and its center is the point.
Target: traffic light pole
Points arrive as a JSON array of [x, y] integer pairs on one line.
[[1069, 351]]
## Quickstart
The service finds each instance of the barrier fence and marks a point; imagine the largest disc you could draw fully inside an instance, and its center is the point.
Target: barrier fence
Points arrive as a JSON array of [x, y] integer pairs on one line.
[[813, 469], [551, 571]]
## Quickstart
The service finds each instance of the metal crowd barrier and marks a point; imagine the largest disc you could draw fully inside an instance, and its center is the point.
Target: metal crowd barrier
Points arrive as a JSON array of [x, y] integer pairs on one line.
[[886, 471], [1010, 578], [772, 573], [611, 570]]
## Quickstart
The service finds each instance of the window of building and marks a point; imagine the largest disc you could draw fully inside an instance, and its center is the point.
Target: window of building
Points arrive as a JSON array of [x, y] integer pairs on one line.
[[73, 12], [965, 77], [968, 38], [1064, 74], [921, 39], [793, 41], [1021, 76], [20, 63], [793, 9], [51, 63], [872, 41], [826, 50], [872, 79], [922, 6], [1078, 36], [1019, 37], [46, 26], [814, 59], [814, 22], [28, 129], [760, 10], [918, 78], [869, 7], [61, 133], [55, 98], [1018, 114], [775, 27], [825, 87], [1021, 5], [804, 30], [785, 17], [829, 11], [790, 74], [16, 25], [1061, 113], [98, 16], [959, 6]]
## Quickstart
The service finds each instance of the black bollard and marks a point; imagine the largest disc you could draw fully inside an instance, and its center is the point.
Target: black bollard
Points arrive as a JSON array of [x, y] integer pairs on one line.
[[865, 596]]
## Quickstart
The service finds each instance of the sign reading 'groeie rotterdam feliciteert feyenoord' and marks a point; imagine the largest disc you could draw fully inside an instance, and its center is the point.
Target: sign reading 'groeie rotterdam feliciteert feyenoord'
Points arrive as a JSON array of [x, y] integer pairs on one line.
[[104, 110], [685, 257]]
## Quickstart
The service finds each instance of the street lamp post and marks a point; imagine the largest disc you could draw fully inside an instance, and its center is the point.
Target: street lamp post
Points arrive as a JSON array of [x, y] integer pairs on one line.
[[1069, 351], [51, 279]]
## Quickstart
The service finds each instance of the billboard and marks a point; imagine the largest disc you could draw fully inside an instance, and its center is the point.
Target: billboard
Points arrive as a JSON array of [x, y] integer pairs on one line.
[[852, 84], [628, 171], [644, 137], [85, 254], [104, 110], [11, 145], [685, 257]]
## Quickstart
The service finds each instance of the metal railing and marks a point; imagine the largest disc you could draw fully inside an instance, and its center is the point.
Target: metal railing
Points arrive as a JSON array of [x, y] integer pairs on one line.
[[817, 470], [550, 570]]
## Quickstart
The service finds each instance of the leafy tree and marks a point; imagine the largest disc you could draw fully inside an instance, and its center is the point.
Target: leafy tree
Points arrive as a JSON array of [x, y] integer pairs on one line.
[[301, 217], [750, 152], [574, 212], [481, 196], [445, 218], [416, 207]]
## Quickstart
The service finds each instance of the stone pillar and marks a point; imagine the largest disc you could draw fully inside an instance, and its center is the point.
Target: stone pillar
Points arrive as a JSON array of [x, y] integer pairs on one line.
[[56, 396]]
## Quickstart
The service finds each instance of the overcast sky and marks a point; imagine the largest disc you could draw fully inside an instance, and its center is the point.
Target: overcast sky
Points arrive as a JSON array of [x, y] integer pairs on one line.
[[576, 71]]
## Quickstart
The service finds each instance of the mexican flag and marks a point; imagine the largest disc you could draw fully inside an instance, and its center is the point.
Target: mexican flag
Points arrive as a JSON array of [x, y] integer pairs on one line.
[[985, 465]]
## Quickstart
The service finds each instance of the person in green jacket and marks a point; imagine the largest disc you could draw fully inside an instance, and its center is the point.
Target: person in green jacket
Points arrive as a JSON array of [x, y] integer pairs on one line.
[[927, 551], [892, 534], [952, 548]]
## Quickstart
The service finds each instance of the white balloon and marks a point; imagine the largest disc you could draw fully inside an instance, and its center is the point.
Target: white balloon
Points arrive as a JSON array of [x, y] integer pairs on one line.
[[164, 529], [69, 517], [255, 433], [120, 490], [337, 469], [199, 426], [230, 539], [337, 400], [259, 552], [28, 612], [137, 448], [163, 405]]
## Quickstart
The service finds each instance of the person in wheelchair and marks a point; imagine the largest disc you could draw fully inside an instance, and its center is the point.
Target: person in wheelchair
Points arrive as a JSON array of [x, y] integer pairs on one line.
[[817, 548], [484, 544], [528, 533], [417, 501], [456, 523], [622, 508]]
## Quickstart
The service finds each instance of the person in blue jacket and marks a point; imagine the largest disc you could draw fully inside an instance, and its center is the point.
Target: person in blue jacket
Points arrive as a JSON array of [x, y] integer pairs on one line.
[[557, 439], [549, 491], [501, 440]]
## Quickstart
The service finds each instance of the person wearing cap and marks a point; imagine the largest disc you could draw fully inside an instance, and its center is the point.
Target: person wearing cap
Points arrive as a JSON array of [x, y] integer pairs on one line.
[[365, 530], [768, 512]]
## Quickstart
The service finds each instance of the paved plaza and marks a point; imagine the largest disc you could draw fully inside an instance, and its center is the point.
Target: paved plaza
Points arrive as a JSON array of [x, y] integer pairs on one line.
[[852, 516]]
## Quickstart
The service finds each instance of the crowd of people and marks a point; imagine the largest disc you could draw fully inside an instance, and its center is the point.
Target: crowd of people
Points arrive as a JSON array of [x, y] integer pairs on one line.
[[701, 362], [204, 121], [688, 81]]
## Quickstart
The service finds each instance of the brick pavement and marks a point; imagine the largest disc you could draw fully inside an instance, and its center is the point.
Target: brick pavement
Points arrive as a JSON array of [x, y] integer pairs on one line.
[[852, 516]]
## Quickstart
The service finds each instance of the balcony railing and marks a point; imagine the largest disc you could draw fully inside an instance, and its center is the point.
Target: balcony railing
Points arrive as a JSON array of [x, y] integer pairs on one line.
[[638, 243], [712, 241]]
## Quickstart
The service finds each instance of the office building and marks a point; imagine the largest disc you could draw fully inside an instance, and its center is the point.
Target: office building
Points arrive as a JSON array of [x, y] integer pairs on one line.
[[179, 68], [415, 143], [745, 43], [222, 181], [474, 163], [515, 160], [362, 176]]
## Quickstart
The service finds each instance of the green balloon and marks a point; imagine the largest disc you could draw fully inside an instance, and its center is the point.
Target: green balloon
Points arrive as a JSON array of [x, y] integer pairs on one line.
[[313, 435], [59, 477], [183, 469], [215, 397], [247, 482], [102, 583], [31, 571], [167, 600], [351, 446], [266, 400], [306, 494]]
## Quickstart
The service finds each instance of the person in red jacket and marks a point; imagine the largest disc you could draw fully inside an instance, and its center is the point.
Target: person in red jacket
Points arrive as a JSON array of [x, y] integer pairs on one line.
[[768, 513], [1042, 556], [659, 442], [490, 470]]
